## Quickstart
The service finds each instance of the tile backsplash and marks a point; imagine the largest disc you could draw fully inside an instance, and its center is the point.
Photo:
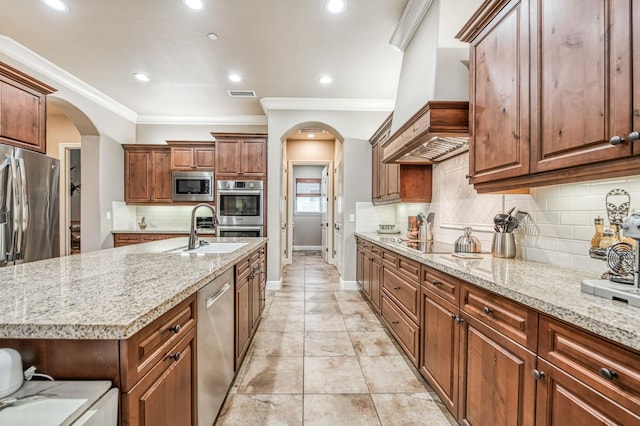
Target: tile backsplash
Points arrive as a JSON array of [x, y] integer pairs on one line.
[[558, 230], [162, 218]]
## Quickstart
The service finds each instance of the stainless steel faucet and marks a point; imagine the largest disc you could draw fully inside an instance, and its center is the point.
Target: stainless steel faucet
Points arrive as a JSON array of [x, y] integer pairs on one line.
[[193, 235]]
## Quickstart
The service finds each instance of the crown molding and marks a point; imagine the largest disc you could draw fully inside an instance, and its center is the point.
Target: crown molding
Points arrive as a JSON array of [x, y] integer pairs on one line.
[[412, 16], [326, 104], [223, 120], [32, 60]]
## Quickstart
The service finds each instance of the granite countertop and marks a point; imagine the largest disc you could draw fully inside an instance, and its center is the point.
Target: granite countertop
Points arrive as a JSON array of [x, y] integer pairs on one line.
[[548, 289], [106, 294], [161, 231]]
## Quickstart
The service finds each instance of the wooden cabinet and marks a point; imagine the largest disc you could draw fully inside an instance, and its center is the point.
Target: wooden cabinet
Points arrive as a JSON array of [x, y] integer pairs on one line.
[[240, 155], [250, 295], [395, 183], [370, 269], [552, 92], [498, 96], [584, 376], [147, 171], [126, 239], [22, 109], [187, 155]]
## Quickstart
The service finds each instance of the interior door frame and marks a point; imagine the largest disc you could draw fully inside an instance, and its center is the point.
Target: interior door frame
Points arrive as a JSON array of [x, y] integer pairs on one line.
[[291, 197], [64, 149]]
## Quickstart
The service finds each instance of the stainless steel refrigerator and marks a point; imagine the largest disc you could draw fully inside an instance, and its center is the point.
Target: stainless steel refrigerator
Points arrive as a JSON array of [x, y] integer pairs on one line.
[[29, 206]]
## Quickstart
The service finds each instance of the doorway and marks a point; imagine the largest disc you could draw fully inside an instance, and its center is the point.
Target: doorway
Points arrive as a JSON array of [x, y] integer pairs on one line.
[[70, 198]]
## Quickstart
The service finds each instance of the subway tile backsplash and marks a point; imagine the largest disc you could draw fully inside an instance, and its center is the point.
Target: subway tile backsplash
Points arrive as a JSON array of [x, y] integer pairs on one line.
[[558, 230]]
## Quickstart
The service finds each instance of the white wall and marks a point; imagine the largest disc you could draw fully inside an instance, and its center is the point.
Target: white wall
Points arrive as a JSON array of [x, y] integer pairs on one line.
[[355, 128], [159, 133]]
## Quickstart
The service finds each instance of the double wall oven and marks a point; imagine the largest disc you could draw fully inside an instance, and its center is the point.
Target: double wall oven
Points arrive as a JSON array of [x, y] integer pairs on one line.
[[240, 205]]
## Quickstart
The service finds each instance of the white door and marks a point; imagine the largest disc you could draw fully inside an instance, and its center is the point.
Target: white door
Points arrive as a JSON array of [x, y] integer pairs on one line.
[[324, 201], [338, 238]]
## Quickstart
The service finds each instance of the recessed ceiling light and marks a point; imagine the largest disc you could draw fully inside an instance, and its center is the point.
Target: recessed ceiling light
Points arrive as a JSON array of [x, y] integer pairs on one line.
[[311, 135], [336, 6], [235, 77], [325, 79], [194, 4], [141, 76], [57, 5], [212, 36]]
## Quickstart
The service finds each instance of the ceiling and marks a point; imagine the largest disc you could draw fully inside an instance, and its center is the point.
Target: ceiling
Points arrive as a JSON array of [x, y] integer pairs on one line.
[[279, 47]]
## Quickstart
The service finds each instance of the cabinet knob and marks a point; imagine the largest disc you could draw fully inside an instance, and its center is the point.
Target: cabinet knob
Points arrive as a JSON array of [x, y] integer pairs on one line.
[[436, 283], [633, 136], [608, 374], [175, 329], [395, 287], [459, 320], [394, 322], [468, 176], [537, 374], [616, 140], [454, 317], [175, 356], [487, 310]]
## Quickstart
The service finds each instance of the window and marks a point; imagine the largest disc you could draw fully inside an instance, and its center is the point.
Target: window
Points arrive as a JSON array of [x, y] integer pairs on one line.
[[308, 195]]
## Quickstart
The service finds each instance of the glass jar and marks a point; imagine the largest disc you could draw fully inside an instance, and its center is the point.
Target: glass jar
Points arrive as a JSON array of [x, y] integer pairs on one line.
[[608, 239], [597, 237]]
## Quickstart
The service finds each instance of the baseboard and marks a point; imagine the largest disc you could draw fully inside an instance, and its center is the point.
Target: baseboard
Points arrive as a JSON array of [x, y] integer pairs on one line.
[[307, 248], [348, 285], [274, 285]]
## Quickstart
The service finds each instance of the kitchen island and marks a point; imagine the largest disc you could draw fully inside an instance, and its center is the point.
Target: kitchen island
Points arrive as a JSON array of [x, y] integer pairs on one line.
[[506, 341], [127, 315]]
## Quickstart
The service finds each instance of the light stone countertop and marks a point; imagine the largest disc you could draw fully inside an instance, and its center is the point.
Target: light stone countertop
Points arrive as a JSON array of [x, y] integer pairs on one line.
[[106, 294], [548, 289]]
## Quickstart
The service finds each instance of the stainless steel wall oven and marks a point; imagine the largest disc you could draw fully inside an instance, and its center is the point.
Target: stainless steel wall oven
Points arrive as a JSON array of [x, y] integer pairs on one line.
[[240, 204]]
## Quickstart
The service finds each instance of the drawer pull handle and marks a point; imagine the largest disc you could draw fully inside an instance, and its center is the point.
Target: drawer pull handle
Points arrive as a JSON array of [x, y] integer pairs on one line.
[[395, 287], [537, 374], [175, 356], [459, 320], [454, 317], [394, 322], [487, 310], [175, 329], [608, 374], [436, 283]]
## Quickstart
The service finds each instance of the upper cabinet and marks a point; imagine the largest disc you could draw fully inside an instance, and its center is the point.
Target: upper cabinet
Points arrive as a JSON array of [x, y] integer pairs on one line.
[[240, 155], [393, 183], [22, 109], [552, 94], [188, 155], [147, 174]]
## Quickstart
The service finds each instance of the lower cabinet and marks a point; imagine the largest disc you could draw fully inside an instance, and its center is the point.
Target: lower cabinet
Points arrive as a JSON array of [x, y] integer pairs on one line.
[[406, 332], [124, 239]]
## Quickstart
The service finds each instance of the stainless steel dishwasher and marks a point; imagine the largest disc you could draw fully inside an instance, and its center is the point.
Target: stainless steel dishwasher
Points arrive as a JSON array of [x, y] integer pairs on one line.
[[215, 345]]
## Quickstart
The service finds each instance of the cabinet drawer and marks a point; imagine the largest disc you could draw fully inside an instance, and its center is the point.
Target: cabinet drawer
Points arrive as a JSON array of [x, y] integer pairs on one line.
[[441, 284], [390, 259], [242, 269], [403, 329], [404, 292], [510, 318], [149, 346], [610, 369], [146, 238], [409, 268], [125, 239], [376, 251]]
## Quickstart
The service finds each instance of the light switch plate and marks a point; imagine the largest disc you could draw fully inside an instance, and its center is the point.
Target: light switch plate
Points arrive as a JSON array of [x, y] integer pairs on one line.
[[352, 217]]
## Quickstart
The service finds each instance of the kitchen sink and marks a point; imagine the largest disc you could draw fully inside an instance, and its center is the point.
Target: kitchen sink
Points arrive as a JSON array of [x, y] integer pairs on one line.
[[210, 248]]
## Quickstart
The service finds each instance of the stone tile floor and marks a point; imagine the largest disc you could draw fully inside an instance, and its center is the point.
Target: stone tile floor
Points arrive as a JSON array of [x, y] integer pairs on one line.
[[322, 357]]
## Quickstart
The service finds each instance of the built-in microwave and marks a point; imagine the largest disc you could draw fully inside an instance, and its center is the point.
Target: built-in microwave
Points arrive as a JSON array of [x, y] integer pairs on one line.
[[192, 186]]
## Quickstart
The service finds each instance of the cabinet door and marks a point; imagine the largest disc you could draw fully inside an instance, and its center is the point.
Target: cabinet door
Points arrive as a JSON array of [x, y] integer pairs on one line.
[[182, 158], [254, 283], [499, 102], [254, 158], [204, 158], [581, 81], [440, 347], [165, 396], [497, 386], [22, 116], [375, 173], [376, 282], [243, 319], [227, 156], [393, 180], [563, 400], [359, 265], [161, 161], [635, 48], [366, 275], [138, 182]]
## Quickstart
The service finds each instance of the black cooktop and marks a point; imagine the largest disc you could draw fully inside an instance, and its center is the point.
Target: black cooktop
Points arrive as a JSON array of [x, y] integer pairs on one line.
[[421, 246]]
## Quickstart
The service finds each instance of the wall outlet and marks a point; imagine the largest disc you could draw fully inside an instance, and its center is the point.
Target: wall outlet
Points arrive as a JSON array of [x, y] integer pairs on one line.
[[352, 217], [108, 215]]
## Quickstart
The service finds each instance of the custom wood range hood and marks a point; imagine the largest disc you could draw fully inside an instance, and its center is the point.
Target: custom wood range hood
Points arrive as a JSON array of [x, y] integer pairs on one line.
[[439, 130]]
